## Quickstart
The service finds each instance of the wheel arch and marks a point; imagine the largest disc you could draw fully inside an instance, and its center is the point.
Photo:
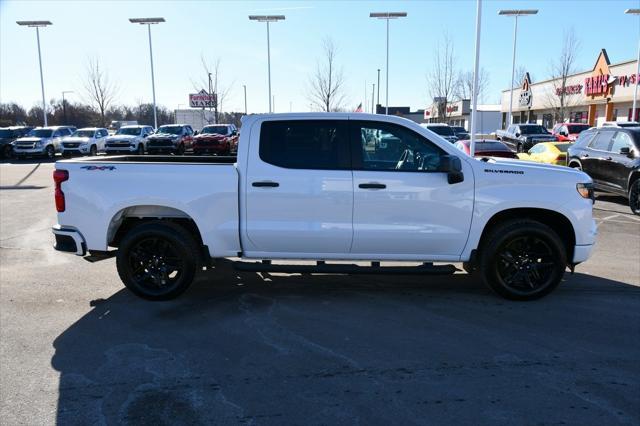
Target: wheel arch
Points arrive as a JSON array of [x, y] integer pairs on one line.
[[131, 216], [558, 222], [633, 176]]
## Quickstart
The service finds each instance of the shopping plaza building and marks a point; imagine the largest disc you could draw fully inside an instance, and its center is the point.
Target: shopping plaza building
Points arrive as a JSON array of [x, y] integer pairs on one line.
[[604, 93]]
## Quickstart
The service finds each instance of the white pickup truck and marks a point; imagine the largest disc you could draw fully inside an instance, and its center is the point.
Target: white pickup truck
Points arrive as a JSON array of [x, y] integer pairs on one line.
[[326, 187]]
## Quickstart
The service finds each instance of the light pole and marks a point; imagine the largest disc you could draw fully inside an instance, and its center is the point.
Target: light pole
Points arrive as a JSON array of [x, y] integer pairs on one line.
[[244, 86], [378, 97], [515, 13], [387, 16], [373, 91], [148, 22], [37, 25], [64, 105], [474, 96], [634, 116], [268, 19]]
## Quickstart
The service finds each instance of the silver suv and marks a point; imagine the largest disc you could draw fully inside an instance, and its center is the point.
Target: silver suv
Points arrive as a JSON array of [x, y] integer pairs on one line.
[[42, 141]]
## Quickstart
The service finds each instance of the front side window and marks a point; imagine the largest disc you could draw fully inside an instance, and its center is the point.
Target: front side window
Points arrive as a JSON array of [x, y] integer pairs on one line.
[[537, 149], [386, 146], [306, 144], [602, 141]]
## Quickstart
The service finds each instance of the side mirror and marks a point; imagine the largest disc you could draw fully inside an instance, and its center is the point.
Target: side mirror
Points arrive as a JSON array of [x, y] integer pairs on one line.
[[195, 133], [452, 166], [625, 150], [517, 135]]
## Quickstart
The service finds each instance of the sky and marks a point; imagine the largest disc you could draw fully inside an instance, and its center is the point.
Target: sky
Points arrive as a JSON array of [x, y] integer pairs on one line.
[[100, 30]]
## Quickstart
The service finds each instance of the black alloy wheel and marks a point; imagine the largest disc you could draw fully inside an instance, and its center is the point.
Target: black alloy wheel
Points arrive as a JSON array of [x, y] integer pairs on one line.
[[93, 151], [157, 260], [7, 151], [50, 152], [519, 148], [523, 260], [634, 197], [140, 150], [180, 150]]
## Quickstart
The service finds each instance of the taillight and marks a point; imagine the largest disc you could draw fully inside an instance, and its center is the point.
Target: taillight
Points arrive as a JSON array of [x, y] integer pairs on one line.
[[60, 176]]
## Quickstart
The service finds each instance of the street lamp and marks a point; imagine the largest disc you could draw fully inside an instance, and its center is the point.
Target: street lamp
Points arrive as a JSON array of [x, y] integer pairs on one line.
[[387, 16], [474, 96], [148, 22], [244, 86], [37, 25], [634, 115], [268, 19], [64, 105], [515, 13]]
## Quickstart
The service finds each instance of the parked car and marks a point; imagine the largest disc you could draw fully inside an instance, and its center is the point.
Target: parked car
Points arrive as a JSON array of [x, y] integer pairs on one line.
[[327, 187], [41, 141], [128, 140], [86, 141], [8, 135], [547, 152], [611, 156], [221, 139], [443, 130], [117, 124], [171, 138], [568, 131], [460, 132], [521, 137], [620, 124], [486, 148]]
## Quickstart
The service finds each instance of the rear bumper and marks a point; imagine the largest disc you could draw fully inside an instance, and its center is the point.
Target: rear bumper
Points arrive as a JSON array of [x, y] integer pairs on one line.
[[69, 241]]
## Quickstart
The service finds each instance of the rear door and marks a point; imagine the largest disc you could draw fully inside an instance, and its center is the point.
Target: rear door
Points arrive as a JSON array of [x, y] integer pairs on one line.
[[403, 207], [617, 167], [593, 159], [298, 189]]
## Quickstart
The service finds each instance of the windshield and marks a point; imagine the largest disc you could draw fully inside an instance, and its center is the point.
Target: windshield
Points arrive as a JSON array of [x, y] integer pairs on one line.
[[533, 130], [6, 133], [174, 130], [563, 147], [577, 128], [83, 133], [459, 129], [215, 130], [41, 133], [132, 131], [441, 130], [490, 146]]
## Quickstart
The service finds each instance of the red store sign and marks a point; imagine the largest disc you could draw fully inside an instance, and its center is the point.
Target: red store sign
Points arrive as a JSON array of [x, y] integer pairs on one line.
[[628, 80], [596, 85], [574, 89]]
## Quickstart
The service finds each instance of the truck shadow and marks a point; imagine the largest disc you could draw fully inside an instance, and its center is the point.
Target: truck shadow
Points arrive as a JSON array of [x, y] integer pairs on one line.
[[283, 349]]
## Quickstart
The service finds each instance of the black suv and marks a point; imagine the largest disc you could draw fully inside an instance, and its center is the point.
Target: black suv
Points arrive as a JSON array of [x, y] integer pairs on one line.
[[8, 135], [611, 156]]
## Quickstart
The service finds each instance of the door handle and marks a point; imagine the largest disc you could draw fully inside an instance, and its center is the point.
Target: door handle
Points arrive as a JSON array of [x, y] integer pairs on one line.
[[585, 155], [608, 158], [265, 184], [372, 186]]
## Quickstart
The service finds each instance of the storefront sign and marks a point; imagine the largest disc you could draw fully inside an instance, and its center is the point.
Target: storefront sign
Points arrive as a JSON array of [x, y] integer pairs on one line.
[[452, 108], [202, 99], [525, 94], [598, 84], [574, 89], [628, 80]]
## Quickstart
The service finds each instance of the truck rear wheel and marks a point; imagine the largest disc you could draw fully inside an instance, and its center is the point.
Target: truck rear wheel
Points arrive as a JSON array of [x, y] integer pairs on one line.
[[522, 260], [157, 260]]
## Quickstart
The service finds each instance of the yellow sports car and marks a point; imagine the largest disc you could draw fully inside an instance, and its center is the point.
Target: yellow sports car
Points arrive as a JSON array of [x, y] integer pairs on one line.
[[547, 152]]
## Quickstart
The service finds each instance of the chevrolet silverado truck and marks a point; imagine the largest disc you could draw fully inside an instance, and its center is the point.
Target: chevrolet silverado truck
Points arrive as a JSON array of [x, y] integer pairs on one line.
[[171, 139], [220, 139], [327, 187], [522, 137]]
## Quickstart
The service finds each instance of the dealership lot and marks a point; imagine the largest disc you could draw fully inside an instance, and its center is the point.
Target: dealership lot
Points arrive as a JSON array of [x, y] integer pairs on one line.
[[77, 348]]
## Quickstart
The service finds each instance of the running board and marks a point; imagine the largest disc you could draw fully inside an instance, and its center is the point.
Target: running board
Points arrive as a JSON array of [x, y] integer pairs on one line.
[[324, 268]]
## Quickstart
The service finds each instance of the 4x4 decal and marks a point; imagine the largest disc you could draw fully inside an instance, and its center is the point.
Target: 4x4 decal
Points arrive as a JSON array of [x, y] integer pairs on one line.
[[98, 167]]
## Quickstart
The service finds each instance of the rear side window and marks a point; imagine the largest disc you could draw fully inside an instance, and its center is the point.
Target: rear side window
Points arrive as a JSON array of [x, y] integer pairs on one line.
[[601, 141], [306, 144]]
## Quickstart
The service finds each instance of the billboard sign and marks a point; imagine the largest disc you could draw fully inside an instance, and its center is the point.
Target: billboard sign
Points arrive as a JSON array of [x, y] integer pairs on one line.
[[202, 99]]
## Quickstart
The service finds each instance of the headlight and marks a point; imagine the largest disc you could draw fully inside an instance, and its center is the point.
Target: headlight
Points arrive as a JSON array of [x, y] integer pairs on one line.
[[132, 144], [39, 143], [586, 191]]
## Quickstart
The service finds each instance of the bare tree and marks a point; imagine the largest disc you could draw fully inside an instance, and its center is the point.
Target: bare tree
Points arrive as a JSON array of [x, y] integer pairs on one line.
[[560, 99], [441, 81], [213, 85], [518, 76], [100, 91], [464, 84], [326, 85]]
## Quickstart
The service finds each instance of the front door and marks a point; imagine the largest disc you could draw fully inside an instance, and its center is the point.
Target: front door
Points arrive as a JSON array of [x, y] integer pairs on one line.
[[403, 207], [618, 166], [593, 159], [299, 193]]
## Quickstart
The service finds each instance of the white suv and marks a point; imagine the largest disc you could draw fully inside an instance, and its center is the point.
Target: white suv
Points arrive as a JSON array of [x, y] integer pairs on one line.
[[128, 140], [89, 140], [42, 141]]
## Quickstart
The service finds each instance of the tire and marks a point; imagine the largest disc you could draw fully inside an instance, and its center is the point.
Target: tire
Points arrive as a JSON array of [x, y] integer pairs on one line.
[[634, 197], [93, 151], [227, 150], [140, 150], [519, 148], [507, 266], [50, 152], [144, 255], [576, 166], [180, 150]]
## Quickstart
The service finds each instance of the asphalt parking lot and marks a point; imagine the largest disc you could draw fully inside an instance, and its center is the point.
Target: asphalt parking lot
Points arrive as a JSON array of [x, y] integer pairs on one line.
[[244, 348]]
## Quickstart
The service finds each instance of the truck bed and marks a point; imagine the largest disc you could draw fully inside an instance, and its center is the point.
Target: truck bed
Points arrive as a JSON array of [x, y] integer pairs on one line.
[[160, 159]]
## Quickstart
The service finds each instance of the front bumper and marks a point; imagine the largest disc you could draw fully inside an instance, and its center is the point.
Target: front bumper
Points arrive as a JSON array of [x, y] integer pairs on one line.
[[161, 149], [75, 151], [120, 150], [69, 240], [209, 149], [27, 152]]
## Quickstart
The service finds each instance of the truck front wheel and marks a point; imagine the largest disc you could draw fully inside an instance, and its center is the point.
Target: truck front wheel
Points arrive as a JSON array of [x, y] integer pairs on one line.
[[522, 260], [157, 260]]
